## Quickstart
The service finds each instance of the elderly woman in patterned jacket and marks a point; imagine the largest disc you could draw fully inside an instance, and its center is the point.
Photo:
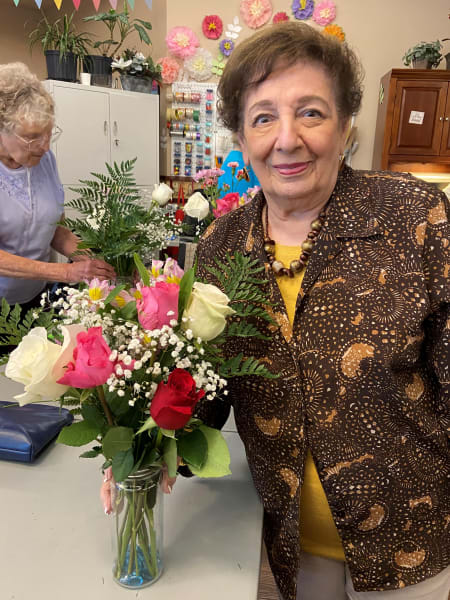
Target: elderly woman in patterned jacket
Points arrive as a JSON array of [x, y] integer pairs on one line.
[[31, 195], [348, 448]]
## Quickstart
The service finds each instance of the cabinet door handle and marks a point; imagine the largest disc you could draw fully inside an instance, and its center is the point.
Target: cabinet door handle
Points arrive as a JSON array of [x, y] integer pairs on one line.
[[446, 118], [116, 141], [115, 128], [105, 127]]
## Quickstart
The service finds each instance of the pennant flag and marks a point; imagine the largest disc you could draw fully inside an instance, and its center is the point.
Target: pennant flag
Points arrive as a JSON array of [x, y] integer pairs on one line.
[[113, 3], [131, 3], [16, 2], [58, 3], [76, 3], [38, 2], [96, 4], [149, 3]]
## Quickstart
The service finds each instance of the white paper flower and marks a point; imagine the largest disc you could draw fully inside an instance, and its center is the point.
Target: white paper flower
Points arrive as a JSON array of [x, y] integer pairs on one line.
[[234, 29], [121, 63], [199, 66]]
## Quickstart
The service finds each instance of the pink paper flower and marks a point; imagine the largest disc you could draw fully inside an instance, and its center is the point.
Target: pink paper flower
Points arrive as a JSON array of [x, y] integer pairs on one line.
[[182, 42], [212, 27], [91, 365], [256, 12], [169, 69], [226, 204], [279, 17], [156, 303], [324, 13]]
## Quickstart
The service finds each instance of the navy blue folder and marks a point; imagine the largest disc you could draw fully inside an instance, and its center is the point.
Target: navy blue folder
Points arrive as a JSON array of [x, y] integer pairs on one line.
[[25, 431]]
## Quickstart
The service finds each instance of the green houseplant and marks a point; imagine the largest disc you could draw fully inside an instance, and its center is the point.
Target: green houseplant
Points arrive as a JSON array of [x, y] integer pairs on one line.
[[62, 46], [424, 55], [120, 26]]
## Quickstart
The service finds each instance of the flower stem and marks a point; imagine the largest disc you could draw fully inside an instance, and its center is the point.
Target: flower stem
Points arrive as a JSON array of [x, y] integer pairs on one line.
[[108, 413]]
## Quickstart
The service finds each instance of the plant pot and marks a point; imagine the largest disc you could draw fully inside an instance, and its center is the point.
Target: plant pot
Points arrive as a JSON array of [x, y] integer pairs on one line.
[[64, 68], [138, 536], [136, 84], [100, 69], [422, 63]]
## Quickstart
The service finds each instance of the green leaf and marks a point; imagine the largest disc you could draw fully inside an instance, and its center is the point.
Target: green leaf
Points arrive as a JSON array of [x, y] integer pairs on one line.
[[129, 312], [118, 404], [116, 440], [193, 448], [91, 453], [168, 433], [122, 464], [186, 284], [170, 456], [113, 293], [142, 270], [78, 434], [92, 415], [217, 463], [149, 424]]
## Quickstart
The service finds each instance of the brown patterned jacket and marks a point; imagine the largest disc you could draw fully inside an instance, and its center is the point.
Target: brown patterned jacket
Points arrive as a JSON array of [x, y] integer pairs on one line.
[[364, 380]]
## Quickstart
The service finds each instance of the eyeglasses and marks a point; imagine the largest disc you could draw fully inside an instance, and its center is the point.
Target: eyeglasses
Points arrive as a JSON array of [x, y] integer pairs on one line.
[[37, 142]]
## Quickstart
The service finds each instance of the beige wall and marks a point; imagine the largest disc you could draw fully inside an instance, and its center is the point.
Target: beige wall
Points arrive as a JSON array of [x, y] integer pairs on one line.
[[380, 31]]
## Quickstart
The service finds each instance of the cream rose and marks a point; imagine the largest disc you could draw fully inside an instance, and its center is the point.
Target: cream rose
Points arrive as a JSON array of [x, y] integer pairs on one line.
[[37, 363], [206, 311], [162, 194], [197, 206]]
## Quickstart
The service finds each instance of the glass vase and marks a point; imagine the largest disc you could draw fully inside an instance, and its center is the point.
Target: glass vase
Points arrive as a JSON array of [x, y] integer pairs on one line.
[[138, 534]]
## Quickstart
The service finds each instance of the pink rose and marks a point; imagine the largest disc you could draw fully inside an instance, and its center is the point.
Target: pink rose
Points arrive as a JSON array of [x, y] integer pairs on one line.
[[226, 204], [156, 302], [91, 365]]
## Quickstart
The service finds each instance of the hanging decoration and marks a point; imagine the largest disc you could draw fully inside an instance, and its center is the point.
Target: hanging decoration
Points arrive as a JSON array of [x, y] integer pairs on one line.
[[226, 47], [324, 13], [131, 3], [169, 69], [256, 12], [96, 4], [76, 3], [182, 42], [302, 9], [58, 3], [199, 66], [38, 2], [149, 3], [334, 30], [16, 2], [218, 65], [113, 4], [233, 29], [212, 27], [279, 17]]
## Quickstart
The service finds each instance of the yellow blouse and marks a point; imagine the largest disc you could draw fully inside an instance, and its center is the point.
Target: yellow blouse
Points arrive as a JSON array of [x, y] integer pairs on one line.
[[318, 533]]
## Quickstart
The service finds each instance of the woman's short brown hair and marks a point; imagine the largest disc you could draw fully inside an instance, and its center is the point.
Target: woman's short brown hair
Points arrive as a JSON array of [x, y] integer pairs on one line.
[[288, 43]]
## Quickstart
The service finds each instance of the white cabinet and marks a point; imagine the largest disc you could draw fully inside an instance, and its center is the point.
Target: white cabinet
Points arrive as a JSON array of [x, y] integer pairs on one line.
[[101, 125]]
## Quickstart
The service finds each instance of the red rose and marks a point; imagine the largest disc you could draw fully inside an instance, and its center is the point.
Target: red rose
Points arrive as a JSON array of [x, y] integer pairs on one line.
[[173, 403]]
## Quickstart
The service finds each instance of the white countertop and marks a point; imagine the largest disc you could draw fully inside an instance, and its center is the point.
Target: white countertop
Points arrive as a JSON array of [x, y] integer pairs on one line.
[[56, 540]]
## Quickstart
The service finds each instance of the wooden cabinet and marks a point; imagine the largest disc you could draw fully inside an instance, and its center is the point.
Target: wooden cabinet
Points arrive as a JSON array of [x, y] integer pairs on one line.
[[412, 131], [102, 125]]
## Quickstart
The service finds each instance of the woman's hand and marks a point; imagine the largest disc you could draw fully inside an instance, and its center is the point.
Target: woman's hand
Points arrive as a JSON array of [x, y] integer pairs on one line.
[[88, 269]]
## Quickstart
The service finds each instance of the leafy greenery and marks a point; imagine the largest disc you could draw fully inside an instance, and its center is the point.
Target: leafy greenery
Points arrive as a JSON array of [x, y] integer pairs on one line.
[[137, 65], [60, 35], [115, 224], [120, 22], [430, 51]]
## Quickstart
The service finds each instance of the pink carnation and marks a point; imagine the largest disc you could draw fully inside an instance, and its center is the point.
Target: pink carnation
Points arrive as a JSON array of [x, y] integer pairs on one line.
[[324, 13], [226, 204], [169, 69], [182, 42], [256, 12]]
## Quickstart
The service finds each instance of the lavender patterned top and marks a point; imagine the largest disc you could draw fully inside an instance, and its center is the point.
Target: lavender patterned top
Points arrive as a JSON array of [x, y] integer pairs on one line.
[[31, 203]]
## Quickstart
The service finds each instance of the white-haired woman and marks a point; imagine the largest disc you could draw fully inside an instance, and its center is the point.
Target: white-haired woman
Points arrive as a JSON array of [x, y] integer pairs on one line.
[[31, 195]]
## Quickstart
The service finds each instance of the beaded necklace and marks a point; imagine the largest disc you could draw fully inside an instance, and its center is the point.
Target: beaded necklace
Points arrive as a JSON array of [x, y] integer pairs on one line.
[[307, 246]]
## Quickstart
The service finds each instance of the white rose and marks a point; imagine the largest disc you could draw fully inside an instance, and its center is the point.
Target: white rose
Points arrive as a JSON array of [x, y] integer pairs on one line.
[[197, 206], [206, 311], [38, 363], [162, 194]]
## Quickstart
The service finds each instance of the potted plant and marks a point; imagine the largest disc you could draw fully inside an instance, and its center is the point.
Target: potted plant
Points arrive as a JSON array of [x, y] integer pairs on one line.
[[424, 55], [119, 26], [137, 72], [62, 46]]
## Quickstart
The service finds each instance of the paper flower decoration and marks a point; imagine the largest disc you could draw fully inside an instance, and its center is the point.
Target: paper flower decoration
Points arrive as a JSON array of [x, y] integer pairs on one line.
[[218, 65], [334, 30], [199, 66], [226, 47], [212, 27], [169, 69], [182, 42], [324, 13], [302, 9], [279, 17], [256, 12], [233, 29]]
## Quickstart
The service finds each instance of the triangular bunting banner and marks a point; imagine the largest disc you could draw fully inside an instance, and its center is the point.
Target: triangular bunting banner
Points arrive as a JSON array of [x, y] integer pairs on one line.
[[38, 2], [96, 4], [149, 3], [16, 2], [76, 3], [131, 3], [58, 3], [113, 3]]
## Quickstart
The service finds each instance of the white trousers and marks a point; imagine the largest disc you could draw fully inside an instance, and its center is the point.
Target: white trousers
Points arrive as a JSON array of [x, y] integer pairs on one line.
[[326, 579]]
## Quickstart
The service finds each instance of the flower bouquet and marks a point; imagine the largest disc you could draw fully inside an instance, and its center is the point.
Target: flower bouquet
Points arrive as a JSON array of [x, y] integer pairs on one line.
[[118, 220], [133, 363]]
